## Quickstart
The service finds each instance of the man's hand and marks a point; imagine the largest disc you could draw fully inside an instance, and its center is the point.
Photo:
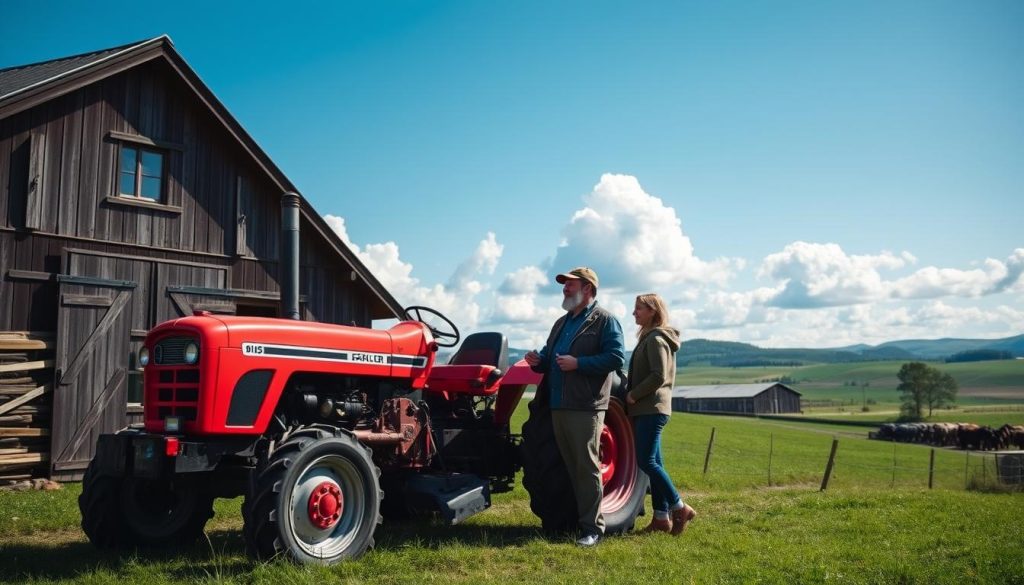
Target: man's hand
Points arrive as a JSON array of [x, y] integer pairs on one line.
[[532, 358], [630, 400], [566, 363]]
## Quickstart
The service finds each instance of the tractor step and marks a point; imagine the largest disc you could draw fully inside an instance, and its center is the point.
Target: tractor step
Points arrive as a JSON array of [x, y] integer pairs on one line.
[[455, 496]]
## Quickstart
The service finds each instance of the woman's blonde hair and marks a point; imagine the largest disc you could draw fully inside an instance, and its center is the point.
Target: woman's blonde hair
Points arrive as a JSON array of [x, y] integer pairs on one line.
[[657, 304]]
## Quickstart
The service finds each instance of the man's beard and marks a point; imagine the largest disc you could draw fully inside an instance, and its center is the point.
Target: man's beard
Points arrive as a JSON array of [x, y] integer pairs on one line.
[[570, 302]]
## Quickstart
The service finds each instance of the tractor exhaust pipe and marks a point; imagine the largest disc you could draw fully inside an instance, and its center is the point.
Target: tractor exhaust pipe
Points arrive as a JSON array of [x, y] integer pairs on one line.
[[288, 256]]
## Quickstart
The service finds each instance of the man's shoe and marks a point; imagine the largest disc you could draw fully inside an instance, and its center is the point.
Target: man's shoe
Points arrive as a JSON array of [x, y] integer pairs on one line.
[[588, 540]]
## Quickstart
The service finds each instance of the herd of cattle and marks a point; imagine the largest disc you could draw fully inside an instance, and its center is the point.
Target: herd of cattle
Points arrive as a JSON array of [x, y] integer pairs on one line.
[[960, 435]]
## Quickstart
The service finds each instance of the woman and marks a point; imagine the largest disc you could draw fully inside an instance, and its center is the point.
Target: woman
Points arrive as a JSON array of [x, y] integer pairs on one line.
[[652, 370]]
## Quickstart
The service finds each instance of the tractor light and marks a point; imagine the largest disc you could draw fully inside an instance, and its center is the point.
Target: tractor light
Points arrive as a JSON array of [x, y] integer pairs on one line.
[[172, 424], [172, 447], [143, 357], [191, 353]]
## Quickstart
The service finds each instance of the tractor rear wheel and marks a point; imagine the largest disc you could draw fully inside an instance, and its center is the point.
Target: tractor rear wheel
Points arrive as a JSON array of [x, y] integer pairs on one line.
[[129, 511], [316, 499], [625, 486], [544, 474], [546, 479]]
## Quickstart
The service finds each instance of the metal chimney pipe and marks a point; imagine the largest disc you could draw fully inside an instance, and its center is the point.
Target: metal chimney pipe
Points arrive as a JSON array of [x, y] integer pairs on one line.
[[288, 260]]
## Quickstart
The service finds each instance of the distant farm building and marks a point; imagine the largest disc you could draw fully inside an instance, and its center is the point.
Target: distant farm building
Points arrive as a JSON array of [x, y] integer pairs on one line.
[[768, 398]]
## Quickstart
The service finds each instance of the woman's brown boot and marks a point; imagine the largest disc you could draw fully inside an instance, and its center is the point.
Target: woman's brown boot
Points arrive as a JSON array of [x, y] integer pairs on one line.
[[657, 525], [681, 517]]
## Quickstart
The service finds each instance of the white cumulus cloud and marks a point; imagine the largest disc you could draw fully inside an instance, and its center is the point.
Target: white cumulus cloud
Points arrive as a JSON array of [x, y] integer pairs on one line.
[[823, 275], [483, 261], [994, 277], [812, 294], [633, 240], [457, 300]]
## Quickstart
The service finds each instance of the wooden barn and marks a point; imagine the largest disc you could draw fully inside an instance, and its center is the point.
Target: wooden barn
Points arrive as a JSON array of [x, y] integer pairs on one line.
[[129, 195], [769, 398]]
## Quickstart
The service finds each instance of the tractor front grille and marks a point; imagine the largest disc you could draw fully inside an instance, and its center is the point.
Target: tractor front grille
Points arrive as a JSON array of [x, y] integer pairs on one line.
[[177, 393]]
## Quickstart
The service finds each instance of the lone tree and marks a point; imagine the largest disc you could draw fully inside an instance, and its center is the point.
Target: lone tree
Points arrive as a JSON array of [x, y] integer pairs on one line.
[[922, 385], [942, 393]]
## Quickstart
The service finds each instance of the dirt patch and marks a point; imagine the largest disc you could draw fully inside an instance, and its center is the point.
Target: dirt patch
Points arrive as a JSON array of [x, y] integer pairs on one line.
[[790, 487], [47, 539], [1000, 392], [862, 434]]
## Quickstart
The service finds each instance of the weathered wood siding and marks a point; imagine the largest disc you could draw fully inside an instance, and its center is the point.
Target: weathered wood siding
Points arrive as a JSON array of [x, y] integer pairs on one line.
[[211, 243], [76, 157], [61, 159]]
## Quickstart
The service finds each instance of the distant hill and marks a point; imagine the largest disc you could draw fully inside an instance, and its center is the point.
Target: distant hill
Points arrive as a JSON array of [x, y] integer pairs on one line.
[[732, 354], [735, 354], [942, 348]]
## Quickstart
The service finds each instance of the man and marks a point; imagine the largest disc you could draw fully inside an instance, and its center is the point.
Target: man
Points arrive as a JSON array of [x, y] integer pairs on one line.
[[584, 350]]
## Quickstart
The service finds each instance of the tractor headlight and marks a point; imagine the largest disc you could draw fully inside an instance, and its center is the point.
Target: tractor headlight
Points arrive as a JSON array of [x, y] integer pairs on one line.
[[191, 353], [143, 357]]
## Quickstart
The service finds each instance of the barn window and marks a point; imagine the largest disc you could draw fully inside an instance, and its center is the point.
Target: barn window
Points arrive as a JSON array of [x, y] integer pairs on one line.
[[141, 173]]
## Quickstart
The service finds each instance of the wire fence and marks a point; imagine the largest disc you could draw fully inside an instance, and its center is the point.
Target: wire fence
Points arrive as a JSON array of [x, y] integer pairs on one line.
[[782, 460]]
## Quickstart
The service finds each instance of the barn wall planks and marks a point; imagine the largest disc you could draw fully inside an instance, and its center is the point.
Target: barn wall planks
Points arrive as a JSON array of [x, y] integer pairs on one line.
[[78, 160], [78, 164], [61, 216]]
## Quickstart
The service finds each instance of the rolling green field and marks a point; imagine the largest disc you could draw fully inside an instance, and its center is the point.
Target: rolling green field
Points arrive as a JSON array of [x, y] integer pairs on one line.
[[990, 393], [877, 523]]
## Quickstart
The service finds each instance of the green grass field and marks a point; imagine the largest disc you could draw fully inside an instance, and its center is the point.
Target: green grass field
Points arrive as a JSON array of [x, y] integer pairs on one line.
[[990, 393], [877, 523]]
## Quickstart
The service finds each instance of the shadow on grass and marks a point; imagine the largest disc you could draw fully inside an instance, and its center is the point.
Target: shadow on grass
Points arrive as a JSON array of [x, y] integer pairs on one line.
[[431, 534], [224, 556]]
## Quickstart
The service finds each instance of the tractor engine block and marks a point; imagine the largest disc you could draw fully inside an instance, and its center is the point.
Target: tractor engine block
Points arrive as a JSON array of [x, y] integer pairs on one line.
[[401, 436]]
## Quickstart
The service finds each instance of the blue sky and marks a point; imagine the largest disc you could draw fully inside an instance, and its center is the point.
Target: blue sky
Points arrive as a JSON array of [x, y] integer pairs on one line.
[[784, 173]]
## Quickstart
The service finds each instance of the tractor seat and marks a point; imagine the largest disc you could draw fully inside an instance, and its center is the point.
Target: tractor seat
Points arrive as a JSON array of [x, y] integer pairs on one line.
[[476, 368], [487, 349]]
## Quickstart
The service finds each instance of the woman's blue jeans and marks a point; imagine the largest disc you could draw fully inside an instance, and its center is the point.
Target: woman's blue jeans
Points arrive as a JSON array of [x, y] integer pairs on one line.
[[647, 429]]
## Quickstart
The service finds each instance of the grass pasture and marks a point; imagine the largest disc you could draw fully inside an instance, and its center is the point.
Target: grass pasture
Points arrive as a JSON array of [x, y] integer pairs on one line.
[[991, 392], [877, 523]]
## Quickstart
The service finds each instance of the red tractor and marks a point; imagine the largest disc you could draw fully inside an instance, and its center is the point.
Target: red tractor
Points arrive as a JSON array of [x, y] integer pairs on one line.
[[324, 428]]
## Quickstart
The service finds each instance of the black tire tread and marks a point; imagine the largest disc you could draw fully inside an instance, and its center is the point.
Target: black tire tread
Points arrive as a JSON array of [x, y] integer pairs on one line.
[[259, 509], [544, 474], [103, 516]]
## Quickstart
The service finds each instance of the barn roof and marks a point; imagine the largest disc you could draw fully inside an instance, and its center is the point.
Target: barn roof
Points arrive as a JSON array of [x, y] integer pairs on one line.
[[25, 86], [23, 77], [726, 390]]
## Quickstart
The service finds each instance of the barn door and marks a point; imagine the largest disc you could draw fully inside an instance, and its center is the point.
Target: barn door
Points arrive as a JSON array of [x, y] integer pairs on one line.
[[186, 301], [184, 289], [93, 346]]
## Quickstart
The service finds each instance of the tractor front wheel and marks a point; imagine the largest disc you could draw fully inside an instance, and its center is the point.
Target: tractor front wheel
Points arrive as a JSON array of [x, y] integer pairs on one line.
[[128, 511], [316, 499]]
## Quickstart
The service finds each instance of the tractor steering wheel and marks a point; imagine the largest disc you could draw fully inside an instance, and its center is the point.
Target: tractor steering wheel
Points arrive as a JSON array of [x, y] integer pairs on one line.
[[445, 333]]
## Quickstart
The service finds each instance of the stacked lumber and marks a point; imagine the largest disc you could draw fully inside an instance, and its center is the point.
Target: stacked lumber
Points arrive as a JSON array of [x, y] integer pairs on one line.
[[26, 383]]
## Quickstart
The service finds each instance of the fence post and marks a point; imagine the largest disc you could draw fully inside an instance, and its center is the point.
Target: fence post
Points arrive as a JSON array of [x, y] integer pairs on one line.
[[967, 464], [931, 468], [771, 449], [707, 456], [828, 467], [893, 482]]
